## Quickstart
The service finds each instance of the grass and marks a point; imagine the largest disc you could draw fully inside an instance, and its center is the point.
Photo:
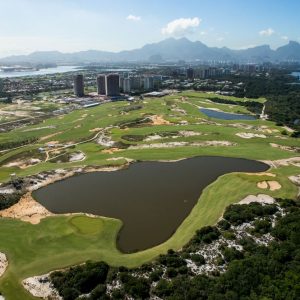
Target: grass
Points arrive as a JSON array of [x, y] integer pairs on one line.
[[63, 241]]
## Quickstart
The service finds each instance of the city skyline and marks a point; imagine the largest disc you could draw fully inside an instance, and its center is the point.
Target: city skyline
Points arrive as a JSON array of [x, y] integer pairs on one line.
[[55, 25]]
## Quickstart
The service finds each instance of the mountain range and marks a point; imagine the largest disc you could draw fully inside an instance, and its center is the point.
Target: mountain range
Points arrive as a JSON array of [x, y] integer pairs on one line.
[[165, 51]]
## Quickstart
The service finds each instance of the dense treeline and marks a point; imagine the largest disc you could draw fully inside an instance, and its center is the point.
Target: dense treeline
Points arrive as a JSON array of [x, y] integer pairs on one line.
[[253, 106], [283, 105], [18, 143], [256, 272]]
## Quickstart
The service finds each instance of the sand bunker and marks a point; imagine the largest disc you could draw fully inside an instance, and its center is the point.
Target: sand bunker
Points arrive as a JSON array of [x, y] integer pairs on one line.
[[158, 120], [262, 185], [3, 263], [111, 150], [40, 286], [27, 209], [247, 135], [272, 185], [261, 198]]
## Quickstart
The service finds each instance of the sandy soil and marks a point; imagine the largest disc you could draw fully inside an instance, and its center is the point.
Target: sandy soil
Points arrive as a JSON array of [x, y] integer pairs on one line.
[[247, 135], [95, 129], [23, 164], [181, 144], [79, 156], [38, 128], [46, 137], [40, 286], [262, 174], [158, 120], [261, 198], [3, 263], [293, 161], [27, 209], [286, 148], [295, 179]]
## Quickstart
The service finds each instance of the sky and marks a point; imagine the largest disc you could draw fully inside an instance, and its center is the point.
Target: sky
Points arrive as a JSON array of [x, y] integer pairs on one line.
[[114, 25]]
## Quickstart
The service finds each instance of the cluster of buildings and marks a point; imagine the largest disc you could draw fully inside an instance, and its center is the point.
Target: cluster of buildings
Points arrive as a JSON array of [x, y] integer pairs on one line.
[[107, 85], [112, 84]]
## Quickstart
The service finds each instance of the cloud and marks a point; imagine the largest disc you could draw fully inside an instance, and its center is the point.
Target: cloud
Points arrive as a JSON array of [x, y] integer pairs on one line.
[[284, 37], [133, 18], [220, 39], [267, 32], [182, 26]]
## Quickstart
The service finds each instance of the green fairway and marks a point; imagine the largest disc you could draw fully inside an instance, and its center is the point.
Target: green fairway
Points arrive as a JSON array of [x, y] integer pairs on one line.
[[62, 241]]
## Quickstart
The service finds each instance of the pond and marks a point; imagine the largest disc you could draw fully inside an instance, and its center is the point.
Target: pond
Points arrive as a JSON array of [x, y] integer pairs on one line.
[[151, 198], [225, 116]]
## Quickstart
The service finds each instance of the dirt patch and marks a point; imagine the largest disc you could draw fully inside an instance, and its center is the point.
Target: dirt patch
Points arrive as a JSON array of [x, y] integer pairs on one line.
[[261, 198], [41, 287], [3, 263], [27, 209], [247, 135]]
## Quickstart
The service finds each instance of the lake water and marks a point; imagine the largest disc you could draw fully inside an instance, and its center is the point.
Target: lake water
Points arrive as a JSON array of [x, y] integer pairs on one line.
[[151, 198], [225, 116], [296, 74], [59, 69]]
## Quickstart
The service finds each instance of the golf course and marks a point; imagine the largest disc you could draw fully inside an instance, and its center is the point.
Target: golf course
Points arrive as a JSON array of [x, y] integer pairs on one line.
[[115, 135]]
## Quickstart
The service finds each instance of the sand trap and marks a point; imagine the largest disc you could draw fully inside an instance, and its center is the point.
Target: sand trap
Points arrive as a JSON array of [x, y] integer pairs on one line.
[[40, 286], [111, 150], [247, 135], [262, 185], [3, 263], [261, 198], [272, 185], [27, 209], [158, 120]]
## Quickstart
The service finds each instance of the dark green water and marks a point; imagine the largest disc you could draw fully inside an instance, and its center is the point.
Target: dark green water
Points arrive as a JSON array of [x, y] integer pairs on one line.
[[151, 198]]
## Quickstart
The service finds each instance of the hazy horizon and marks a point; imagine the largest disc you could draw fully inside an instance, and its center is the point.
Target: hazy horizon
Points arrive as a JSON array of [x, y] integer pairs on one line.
[[28, 26]]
